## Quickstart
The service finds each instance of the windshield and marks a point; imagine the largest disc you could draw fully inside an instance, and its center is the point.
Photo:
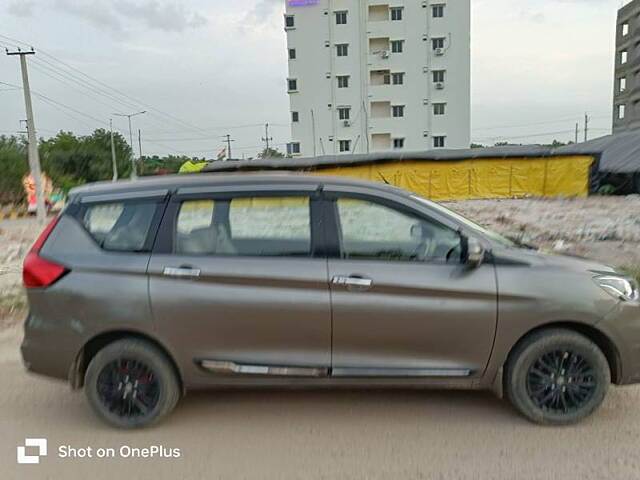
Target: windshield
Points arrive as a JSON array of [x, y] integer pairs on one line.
[[471, 225]]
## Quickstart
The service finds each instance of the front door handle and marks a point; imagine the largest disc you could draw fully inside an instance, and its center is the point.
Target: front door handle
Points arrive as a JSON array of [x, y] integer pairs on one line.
[[182, 272], [353, 283]]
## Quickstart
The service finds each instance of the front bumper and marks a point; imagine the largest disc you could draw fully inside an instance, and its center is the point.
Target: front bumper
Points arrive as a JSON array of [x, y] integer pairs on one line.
[[622, 326]]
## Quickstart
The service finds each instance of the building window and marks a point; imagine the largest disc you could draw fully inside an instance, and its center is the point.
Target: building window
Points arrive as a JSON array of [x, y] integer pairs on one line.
[[293, 85], [343, 49], [295, 117], [439, 141], [398, 143], [622, 84], [397, 78], [344, 145], [344, 113], [292, 54], [439, 108], [621, 111], [343, 81], [397, 111], [293, 148], [437, 11], [438, 76], [397, 46], [341, 18], [624, 56], [437, 43], [625, 29], [396, 13], [289, 21]]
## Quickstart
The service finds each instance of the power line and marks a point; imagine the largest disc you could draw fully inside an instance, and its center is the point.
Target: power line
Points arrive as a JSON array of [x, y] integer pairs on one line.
[[115, 91], [546, 122]]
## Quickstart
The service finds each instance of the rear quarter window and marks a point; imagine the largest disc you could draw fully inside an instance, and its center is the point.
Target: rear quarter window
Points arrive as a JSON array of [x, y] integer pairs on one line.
[[120, 226]]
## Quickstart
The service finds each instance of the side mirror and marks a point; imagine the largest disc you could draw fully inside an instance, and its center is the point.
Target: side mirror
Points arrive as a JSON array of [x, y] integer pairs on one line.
[[472, 252]]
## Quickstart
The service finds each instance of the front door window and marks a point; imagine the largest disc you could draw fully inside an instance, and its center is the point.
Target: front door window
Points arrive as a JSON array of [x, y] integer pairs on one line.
[[373, 231]]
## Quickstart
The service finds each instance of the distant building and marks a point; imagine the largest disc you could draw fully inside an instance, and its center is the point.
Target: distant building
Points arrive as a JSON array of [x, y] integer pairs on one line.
[[626, 95], [371, 76]]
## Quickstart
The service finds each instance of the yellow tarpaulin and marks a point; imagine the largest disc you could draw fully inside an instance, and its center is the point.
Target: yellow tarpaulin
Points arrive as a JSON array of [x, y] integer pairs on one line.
[[479, 178]]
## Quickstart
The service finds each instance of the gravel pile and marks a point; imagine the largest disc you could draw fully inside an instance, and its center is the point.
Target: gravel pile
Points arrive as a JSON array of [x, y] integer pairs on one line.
[[603, 228]]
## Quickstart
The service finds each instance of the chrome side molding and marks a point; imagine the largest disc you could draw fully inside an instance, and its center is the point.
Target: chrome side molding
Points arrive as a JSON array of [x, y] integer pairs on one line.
[[233, 368], [400, 372], [217, 366]]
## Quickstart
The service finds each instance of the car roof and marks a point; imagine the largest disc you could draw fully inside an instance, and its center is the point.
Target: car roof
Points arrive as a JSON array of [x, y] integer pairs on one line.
[[171, 182]]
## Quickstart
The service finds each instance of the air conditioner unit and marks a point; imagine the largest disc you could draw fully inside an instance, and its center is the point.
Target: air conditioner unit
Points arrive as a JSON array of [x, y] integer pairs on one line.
[[384, 54], [347, 123], [438, 52], [439, 85]]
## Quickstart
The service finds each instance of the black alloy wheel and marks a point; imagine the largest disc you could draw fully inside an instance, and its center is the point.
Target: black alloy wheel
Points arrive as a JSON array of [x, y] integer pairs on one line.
[[561, 381], [128, 388]]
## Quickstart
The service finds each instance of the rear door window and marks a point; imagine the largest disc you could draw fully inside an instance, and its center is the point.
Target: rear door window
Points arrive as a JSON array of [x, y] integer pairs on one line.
[[120, 226], [245, 226]]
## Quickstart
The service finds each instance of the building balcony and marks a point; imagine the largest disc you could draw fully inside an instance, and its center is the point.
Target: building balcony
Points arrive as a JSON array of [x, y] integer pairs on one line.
[[379, 61]]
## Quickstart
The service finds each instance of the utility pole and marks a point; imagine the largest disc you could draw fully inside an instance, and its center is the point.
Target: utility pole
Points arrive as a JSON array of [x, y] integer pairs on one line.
[[113, 153], [140, 149], [228, 137], [266, 138], [576, 141], [34, 159], [134, 173], [586, 127]]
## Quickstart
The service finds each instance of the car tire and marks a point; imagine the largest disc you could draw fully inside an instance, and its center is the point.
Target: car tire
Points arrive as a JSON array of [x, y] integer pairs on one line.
[[556, 377], [131, 384]]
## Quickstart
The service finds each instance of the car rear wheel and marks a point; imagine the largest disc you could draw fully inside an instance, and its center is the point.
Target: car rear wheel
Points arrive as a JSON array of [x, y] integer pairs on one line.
[[131, 383], [557, 377]]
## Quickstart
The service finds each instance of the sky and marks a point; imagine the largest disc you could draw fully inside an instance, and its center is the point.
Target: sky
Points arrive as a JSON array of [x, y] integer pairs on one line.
[[207, 68]]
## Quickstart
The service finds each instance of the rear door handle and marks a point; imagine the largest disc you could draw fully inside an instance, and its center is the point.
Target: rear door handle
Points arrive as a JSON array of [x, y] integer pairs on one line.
[[182, 272], [353, 283]]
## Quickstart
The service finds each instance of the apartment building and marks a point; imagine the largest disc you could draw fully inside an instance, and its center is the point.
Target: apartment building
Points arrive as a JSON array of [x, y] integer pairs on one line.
[[371, 76], [626, 95]]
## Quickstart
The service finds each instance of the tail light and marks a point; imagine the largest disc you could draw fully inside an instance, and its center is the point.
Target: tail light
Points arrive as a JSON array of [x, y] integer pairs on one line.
[[36, 271]]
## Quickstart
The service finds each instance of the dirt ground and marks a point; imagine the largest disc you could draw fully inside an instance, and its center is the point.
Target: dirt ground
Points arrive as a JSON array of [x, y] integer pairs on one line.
[[336, 434], [316, 435]]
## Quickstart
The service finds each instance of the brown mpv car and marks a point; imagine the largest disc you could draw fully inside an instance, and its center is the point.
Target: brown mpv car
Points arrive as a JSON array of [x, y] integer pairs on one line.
[[142, 291]]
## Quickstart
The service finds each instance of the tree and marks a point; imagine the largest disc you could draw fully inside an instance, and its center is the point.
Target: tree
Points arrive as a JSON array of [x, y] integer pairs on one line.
[[271, 153], [14, 165], [71, 161]]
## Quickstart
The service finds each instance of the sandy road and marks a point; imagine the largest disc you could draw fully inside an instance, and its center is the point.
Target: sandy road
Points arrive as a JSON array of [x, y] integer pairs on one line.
[[316, 435]]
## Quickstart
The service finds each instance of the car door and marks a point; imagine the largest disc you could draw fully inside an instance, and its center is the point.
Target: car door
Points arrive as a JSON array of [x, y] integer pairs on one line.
[[403, 303], [237, 285]]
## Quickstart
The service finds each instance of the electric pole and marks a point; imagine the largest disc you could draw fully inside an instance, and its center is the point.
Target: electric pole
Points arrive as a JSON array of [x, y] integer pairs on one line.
[[266, 138], [34, 159], [140, 150], [113, 153], [576, 141], [586, 127], [228, 137], [134, 173]]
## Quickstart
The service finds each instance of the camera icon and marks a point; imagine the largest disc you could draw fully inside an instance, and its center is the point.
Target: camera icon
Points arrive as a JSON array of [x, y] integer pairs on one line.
[[39, 443]]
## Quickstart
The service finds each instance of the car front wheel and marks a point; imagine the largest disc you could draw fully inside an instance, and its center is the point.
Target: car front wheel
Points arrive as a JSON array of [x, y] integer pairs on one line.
[[557, 377], [130, 383]]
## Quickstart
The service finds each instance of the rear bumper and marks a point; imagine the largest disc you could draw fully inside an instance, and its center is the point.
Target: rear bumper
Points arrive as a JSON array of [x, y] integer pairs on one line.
[[44, 351]]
